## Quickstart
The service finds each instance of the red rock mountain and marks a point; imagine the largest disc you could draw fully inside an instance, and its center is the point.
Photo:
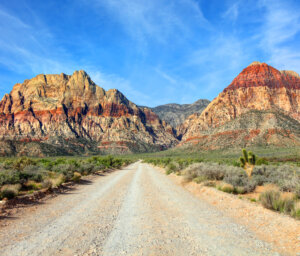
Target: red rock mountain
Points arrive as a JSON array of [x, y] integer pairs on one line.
[[62, 114], [260, 106]]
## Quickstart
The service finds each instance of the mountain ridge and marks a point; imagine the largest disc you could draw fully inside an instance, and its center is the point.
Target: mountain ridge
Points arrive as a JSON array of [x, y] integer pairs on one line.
[[70, 114], [49, 107], [175, 114], [258, 87]]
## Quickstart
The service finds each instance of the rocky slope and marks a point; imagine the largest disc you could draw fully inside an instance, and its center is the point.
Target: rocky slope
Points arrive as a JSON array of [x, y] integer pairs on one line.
[[260, 106], [62, 114], [175, 114]]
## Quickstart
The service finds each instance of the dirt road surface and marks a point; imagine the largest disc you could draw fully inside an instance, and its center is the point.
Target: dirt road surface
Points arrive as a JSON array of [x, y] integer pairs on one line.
[[133, 211]]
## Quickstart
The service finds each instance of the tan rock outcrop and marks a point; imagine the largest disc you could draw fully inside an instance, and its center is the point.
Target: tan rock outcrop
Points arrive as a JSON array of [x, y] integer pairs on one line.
[[51, 108]]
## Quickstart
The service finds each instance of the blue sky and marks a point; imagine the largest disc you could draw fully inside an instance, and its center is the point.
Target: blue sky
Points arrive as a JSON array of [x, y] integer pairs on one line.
[[155, 52]]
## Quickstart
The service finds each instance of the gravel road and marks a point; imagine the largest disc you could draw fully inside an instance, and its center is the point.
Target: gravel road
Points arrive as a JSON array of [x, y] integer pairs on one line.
[[134, 211]]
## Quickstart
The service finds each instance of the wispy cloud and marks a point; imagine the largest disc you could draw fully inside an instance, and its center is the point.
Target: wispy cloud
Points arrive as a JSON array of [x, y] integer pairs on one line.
[[166, 76], [232, 12], [281, 26], [28, 47], [156, 19]]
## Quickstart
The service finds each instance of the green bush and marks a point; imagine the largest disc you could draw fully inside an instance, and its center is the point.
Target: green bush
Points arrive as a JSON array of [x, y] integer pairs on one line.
[[211, 171], [34, 174], [287, 177], [262, 161], [200, 179], [168, 172]]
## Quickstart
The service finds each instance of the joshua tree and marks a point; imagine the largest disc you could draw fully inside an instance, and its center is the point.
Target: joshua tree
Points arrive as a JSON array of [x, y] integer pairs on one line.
[[248, 161]]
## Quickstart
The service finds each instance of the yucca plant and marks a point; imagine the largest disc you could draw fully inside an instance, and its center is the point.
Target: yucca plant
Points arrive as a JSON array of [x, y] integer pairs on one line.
[[248, 161]]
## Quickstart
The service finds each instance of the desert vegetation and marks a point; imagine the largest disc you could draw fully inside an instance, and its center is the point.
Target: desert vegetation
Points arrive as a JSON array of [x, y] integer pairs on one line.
[[278, 183], [24, 175]]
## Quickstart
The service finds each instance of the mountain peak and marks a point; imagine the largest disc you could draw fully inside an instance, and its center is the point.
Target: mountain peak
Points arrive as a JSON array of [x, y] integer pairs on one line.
[[290, 73], [80, 72], [261, 74], [70, 113], [255, 63]]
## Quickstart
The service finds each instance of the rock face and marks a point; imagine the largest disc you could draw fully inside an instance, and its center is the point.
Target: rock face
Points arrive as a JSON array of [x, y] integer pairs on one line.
[[269, 94], [65, 114], [175, 114]]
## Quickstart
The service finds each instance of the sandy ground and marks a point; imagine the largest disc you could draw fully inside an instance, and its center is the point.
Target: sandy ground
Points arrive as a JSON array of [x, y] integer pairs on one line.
[[282, 231], [134, 211]]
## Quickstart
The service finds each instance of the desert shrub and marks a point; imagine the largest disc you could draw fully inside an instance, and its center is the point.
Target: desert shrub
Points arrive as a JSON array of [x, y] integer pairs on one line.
[[190, 173], [262, 161], [66, 169], [296, 210], [87, 168], [47, 183], [76, 176], [269, 199], [236, 163], [7, 164], [32, 172], [10, 191], [9, 177], [168, 172], [200, 179], [211, 171], [21, 163], [232, 175], [57, 180], [173, 167], [105, 162], [240, 190], [60, 161], [73, 162], [33, 185], [209, 183], [288, 205], [225, 187], [47, 164], [287, 177], [275, 201]]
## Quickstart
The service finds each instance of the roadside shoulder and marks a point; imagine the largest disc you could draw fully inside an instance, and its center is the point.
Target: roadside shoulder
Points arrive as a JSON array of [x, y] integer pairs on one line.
[[278, 229]]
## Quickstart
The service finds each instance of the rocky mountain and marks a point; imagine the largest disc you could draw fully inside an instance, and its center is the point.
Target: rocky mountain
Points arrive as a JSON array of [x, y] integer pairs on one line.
[[63, 114], [175, 114], [261, 106]]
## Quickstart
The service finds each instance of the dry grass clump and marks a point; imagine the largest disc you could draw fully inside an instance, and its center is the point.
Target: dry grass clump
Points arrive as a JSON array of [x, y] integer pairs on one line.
[[33, 185], [76, 176], [57, 180], [278, 201], [296, 211], [225, 187], [10, 191]]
